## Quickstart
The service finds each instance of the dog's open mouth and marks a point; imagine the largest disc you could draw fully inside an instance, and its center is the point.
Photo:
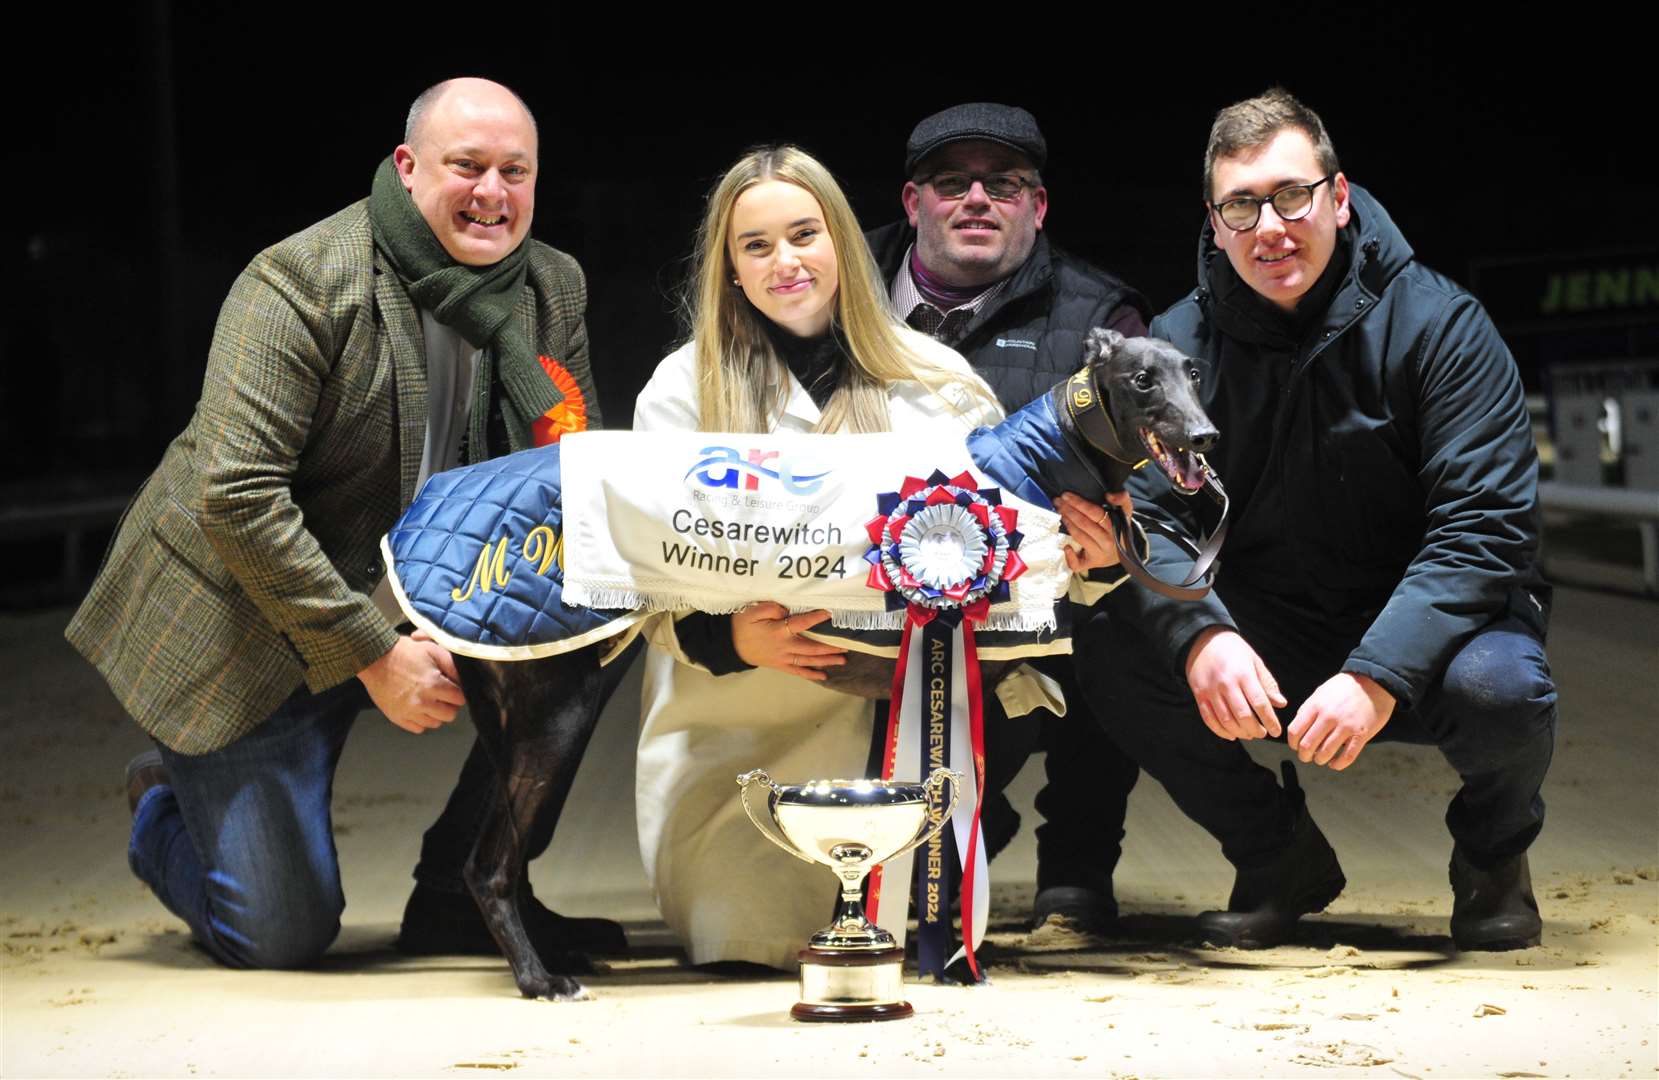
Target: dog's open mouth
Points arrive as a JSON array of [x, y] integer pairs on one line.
[[1183, 467]]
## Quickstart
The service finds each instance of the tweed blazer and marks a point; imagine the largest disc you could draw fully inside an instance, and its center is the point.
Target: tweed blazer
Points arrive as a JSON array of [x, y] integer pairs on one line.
[[243, 567]]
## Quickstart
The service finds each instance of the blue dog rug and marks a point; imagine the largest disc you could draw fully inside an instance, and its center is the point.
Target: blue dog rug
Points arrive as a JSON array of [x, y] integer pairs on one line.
[[477, 561]]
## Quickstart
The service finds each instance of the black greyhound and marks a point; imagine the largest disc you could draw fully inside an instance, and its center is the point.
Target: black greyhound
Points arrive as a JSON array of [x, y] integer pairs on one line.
[[534, 717]]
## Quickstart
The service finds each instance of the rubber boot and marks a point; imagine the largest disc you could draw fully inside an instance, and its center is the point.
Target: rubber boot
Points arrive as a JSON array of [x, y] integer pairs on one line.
[[1268, 899], [1493, 908]]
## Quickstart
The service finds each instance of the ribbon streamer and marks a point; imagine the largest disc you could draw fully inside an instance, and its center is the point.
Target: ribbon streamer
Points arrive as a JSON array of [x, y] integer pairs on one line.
[[944, 550]]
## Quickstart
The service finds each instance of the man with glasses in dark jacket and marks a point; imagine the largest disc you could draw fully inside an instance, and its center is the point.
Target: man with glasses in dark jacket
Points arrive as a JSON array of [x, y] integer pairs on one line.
[[1380, 578], [972, 267]]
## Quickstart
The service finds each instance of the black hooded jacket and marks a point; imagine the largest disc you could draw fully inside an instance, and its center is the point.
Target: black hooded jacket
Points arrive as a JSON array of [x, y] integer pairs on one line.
[[1383, 468], [1030, 336]]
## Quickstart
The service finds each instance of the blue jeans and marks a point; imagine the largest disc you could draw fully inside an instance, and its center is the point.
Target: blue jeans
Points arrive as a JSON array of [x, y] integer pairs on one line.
[[240, 842]]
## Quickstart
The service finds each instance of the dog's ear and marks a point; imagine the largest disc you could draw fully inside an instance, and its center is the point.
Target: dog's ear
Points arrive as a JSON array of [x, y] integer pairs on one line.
[[1100, 344]]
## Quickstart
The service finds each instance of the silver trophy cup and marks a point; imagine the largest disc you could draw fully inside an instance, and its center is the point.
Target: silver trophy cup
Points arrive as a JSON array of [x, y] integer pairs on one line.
[[851, 969]]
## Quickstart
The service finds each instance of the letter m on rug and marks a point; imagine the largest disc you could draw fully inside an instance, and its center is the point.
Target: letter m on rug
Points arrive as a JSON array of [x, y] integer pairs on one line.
[[491, 568]]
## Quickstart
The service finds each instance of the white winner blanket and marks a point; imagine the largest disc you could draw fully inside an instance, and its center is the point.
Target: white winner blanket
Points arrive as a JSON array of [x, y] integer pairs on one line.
[[674, 520]]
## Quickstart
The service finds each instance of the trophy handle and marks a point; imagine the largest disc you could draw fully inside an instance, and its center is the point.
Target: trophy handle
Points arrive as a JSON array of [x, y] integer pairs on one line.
[[759, 776], [937, 777]]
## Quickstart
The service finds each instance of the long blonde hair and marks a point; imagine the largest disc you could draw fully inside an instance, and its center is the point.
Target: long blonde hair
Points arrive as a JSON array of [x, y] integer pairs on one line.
[[742, 384]]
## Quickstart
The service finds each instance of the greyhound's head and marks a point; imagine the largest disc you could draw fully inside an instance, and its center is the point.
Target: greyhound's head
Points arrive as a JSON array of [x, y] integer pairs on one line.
[[1149, 397]]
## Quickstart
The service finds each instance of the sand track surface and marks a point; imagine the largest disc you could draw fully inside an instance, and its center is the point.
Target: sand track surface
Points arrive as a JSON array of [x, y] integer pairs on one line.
[[96, 979]]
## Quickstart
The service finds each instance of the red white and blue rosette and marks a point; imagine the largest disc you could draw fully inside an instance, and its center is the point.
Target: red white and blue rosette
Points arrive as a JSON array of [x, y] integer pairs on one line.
[[943, 544], [944, 550]]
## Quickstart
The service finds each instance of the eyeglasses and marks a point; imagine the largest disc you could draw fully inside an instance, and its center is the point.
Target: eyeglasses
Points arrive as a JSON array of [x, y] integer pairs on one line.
[[1290, 203], [1003, 187]]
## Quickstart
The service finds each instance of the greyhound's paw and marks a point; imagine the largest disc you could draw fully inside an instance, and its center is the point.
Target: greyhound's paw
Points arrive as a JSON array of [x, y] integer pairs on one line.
[[556, 988]]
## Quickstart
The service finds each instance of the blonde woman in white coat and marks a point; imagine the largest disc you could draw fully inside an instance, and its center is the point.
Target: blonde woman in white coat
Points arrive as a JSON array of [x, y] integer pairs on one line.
[[790, 332]]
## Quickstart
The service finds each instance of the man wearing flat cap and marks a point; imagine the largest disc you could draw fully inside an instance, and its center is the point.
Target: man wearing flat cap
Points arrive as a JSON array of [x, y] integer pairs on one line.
[[972, 266]]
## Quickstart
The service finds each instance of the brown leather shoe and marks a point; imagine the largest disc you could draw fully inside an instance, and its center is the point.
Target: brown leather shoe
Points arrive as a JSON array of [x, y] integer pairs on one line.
[[143, 773]]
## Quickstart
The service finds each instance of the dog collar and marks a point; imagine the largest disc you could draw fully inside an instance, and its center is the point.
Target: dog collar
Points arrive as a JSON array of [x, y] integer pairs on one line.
[[1081, 393]]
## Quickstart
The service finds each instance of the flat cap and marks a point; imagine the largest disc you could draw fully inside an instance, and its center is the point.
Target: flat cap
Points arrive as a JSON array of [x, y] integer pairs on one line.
[[1006, 124]]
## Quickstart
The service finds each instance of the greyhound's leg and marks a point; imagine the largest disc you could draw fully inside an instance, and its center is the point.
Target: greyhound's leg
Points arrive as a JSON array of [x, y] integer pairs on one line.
[[536, 717]]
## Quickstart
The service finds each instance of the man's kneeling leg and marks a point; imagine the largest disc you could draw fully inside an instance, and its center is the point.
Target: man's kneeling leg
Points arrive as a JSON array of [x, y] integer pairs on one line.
[[239, 842]]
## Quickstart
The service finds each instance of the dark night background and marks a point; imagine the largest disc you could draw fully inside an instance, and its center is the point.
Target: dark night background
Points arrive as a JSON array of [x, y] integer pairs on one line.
[[182, 141]]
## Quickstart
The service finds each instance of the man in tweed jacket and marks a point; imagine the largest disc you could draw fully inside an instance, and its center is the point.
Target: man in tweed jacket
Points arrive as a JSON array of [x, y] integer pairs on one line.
[[233, 615]]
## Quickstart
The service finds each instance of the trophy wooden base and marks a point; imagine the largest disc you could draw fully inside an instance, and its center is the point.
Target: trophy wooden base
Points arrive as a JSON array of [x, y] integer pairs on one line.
[[846, 985], [850, 1013]]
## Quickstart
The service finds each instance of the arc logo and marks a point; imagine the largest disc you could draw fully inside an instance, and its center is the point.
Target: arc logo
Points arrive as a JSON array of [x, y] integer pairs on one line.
[[727, 467]]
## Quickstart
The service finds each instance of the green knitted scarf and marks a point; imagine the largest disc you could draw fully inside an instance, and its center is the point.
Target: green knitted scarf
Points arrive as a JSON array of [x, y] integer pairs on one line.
[[478, 302]]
